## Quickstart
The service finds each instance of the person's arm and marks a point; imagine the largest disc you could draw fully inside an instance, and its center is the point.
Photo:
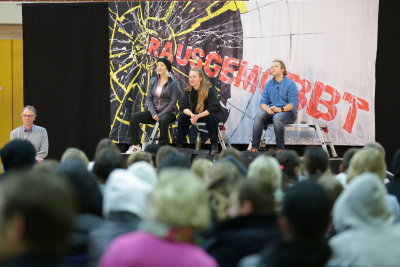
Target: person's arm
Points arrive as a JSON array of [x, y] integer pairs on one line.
[[174, 97], [293, 99], [13, 134], [265, 101], [43, 147], [212, 103], [150, 97]]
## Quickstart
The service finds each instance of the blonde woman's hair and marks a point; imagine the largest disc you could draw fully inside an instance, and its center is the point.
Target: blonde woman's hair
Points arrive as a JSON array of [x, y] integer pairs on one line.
[[266, 168], [201, 166], [180, 200], [368, 159], [203, 89]]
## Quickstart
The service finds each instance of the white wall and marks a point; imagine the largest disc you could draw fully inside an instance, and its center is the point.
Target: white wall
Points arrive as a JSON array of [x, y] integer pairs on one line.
[[10, 13]]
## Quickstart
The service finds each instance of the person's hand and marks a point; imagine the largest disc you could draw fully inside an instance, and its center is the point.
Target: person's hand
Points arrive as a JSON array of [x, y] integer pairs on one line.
[[193, 119], [270, 111], [39, 160], [156, 118]]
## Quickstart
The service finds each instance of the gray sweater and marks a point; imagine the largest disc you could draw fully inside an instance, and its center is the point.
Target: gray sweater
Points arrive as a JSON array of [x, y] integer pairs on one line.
[[38, 137]]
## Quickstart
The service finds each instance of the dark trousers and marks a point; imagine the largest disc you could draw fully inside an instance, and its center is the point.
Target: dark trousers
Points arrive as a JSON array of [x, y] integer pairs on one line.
[[184, 123], [145, 117]]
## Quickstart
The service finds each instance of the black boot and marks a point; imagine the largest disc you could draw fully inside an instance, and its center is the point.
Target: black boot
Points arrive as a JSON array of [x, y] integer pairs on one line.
[[214, 148]]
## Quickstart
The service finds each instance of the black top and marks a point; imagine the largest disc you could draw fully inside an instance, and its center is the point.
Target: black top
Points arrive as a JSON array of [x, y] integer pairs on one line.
[[211, 103]]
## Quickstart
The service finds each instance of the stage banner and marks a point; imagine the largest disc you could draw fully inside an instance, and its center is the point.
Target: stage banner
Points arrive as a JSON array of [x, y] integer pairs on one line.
[[329, 48]]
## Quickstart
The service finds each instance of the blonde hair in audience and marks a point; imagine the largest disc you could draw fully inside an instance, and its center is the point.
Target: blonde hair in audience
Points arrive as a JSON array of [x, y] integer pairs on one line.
[[266, 168], [368, 159], [221, 180], [201, 166], [180, 200]]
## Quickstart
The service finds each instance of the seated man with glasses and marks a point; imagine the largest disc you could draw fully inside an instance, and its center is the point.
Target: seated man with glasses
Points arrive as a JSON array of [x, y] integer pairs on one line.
[[35, 134]]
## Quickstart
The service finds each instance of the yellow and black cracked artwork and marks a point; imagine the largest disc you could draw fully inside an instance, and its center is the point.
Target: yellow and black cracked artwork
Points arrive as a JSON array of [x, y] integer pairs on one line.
[[189, 34]]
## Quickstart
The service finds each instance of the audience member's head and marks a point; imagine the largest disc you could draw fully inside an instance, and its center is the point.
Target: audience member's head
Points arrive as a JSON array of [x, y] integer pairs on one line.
[[266, 168], [152, 148], [368, 159], [396, 164], [200, 166], [221, 179], [18, 155], [316, 162], [332, 187], [252, 197], [362, 204], [174, 160], [230, 151], [139, 156], [105, 143], [163, 152], [236, 162], [86, 189], [36, 214], [348, 155], [75, 153], [377, 146], [106, 161], [289, 162], [47, 166], [144, 171], [306, 212], [180, 200], [124, 192]]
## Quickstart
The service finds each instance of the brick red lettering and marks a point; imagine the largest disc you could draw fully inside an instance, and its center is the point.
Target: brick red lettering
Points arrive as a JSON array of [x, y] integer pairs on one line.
[[153, 46], [305, 88], [355, 103], [197, 54], [178, 55], [247, 79], [167, 51], [263, 80], [212, 70], [316, 100], [227, 69]]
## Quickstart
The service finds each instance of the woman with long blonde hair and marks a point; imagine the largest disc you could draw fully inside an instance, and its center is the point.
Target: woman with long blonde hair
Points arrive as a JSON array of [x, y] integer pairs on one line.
[[199, 102]]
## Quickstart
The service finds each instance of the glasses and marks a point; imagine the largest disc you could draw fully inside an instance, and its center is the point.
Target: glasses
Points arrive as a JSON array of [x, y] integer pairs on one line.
[[28, 116]]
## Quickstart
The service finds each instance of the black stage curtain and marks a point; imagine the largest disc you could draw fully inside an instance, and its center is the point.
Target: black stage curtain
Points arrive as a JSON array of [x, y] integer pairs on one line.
[[387, 93], [66, 75]]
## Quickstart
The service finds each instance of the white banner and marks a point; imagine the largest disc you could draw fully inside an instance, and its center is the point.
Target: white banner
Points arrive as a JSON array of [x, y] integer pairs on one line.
[[329, 48]]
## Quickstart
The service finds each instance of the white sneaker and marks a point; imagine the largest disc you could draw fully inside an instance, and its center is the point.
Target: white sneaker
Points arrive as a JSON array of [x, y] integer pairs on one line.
[[133, 148]]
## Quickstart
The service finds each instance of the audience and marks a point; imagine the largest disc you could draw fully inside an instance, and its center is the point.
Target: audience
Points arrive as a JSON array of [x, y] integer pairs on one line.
[[125, 203], [371, 159], [17, 155], [367, 235], [251, 226], [178, 209], [89, 204], [51, 213], [289, 162], [36, 217], [75, 153], [303, 222], [316, 162], [393, 187]]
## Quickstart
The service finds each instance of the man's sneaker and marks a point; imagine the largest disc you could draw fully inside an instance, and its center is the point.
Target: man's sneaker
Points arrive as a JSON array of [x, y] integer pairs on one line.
[[133, 148], [253, 149]]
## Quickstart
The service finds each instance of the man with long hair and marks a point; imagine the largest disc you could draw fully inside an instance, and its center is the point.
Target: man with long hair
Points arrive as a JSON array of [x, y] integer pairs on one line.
[[278, 106]]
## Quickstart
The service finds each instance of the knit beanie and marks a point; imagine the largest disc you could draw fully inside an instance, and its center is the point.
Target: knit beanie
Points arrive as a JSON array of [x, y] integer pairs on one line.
[[18, 154], [166, 62]]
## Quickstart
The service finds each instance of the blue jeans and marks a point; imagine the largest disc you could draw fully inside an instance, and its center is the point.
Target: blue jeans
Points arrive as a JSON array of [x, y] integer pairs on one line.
[[279, 120]]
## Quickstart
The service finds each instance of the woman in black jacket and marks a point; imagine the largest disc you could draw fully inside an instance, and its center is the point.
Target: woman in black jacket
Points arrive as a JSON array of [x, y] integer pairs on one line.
[[200, 103], [161, 98]]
